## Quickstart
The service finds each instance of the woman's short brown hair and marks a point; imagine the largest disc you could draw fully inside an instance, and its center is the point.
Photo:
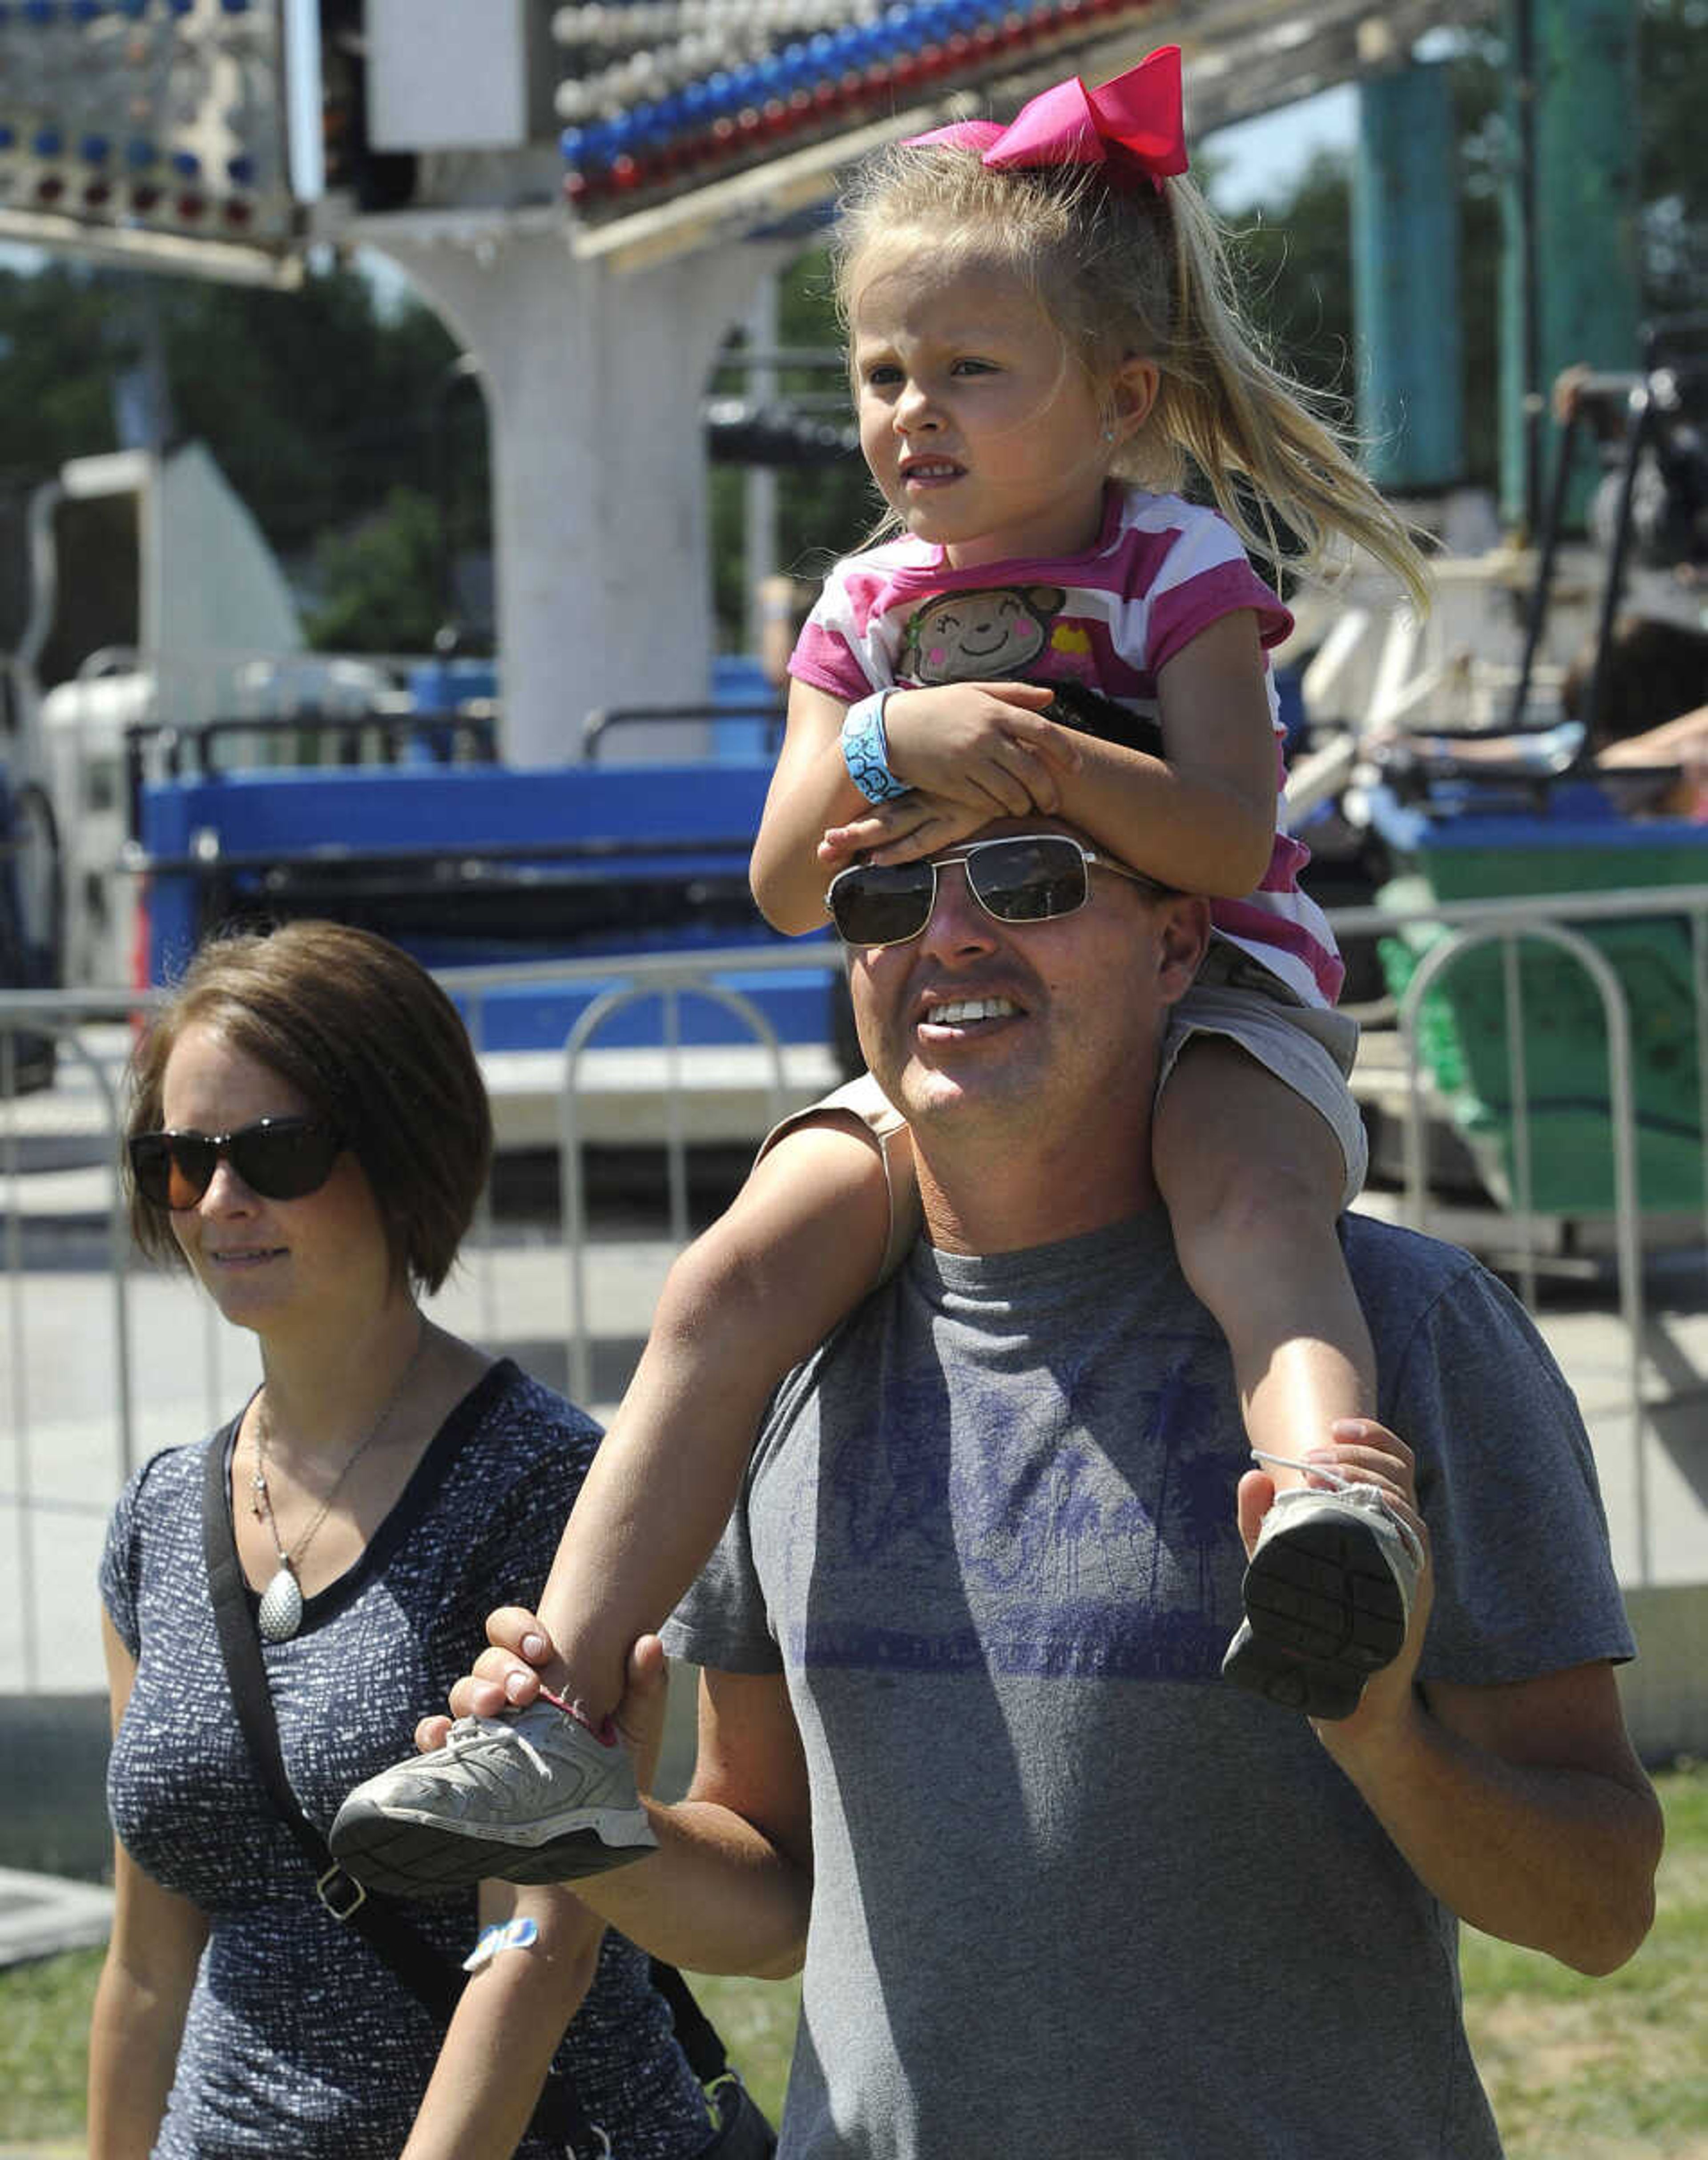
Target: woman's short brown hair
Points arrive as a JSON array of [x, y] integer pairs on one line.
[[370, 1040]]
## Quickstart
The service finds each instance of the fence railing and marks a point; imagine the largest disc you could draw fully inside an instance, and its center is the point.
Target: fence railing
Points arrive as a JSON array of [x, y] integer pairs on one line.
[[90, 1031], [1559, 923]]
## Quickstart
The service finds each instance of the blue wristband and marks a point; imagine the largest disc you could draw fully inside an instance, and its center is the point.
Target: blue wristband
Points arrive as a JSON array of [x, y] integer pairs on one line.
[[866, 753]]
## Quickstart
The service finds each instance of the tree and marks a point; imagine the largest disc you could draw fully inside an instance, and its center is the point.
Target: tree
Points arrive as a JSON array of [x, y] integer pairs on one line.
[[56, 370], [382, 581], [318, 404], [321, 404], [1294, 273]]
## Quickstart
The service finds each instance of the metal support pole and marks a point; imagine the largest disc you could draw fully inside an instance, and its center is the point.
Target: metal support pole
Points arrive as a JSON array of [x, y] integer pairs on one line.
[[1405, 282], [1570, 288]]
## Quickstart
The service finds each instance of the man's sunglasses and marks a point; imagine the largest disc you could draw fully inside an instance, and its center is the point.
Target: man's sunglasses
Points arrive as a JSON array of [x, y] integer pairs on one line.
[[278, 1158], [1025, 877]]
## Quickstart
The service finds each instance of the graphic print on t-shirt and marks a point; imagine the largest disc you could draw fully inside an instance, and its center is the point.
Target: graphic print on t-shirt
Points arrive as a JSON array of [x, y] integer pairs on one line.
[[980, 637], [1092, 1531]]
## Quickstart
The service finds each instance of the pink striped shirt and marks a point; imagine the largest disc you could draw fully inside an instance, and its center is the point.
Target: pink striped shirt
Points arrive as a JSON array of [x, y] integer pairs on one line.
[[1160, 571]]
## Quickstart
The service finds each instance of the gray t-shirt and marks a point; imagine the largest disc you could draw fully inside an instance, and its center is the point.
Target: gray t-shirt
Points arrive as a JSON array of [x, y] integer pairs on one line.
[[1073, 1893]]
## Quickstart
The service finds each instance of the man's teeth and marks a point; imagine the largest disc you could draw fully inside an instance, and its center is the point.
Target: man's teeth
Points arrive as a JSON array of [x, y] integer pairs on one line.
[[965, 1008]]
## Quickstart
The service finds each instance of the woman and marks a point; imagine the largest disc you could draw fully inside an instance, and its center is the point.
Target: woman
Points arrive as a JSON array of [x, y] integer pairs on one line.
[[308, 1133]]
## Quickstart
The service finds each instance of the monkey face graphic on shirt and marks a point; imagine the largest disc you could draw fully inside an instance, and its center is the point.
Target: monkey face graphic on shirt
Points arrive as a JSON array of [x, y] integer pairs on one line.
[[980, 637], [1001, 636]]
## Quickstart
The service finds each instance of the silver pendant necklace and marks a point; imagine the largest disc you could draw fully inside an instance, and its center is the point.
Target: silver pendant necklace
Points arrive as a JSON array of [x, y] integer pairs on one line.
[[281, 1612]]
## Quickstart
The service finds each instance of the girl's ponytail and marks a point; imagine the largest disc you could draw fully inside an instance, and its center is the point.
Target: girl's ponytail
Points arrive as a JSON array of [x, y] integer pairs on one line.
[[1279, 470]]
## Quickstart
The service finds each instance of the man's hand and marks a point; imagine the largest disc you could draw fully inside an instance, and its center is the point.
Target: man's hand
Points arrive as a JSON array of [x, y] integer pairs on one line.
[[1368, 1454], [503, 1678], [1519, 1804]]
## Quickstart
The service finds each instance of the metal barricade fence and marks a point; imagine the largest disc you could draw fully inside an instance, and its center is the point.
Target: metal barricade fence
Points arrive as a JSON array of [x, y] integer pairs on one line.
[[91, 1031], [56, 1024], [1559, 923]]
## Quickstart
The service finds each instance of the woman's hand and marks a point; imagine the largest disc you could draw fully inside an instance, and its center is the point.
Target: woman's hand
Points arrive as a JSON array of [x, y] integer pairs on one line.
[[985, 744]]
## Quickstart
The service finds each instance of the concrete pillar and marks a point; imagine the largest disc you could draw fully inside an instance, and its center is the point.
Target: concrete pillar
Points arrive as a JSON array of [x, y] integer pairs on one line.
[[594, 381], [1570, 282], [759, 482], [1405, 282]]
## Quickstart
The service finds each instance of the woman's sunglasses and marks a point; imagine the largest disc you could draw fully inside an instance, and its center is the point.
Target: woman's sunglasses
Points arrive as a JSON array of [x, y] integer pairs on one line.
[[1026, 877], [278, 1158]]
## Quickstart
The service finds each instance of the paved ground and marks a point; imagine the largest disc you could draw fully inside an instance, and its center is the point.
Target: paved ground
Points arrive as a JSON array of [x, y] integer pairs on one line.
[[80, 1914]]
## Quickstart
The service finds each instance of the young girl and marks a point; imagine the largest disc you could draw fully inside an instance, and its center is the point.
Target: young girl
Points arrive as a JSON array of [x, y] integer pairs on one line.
[[1043, 343]]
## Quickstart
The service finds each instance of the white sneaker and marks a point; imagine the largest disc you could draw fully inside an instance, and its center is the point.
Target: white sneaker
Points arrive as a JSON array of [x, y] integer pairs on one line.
[[1328, 1595], [533, 1796]]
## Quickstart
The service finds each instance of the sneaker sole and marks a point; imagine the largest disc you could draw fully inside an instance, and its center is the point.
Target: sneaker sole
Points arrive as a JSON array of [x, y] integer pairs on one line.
[[1323, 1612], [414, 1857]]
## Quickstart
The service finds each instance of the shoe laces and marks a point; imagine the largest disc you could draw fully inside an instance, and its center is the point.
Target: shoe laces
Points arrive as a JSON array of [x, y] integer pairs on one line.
[[471, 1735], [1339, 1481]]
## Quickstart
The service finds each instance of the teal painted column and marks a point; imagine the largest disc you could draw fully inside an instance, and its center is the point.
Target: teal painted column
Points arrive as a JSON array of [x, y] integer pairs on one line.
[[1569, 212], [1405, 282]]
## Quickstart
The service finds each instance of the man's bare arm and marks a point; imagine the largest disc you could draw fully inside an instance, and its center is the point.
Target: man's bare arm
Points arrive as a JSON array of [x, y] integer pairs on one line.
[[730, 1885], [1523, 1808]]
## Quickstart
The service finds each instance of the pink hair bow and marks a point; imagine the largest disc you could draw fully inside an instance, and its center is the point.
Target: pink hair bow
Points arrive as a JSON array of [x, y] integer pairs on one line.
[[1133, 124]]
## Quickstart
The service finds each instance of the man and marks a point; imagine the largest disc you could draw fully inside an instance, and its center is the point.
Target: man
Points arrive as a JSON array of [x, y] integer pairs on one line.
[[1060, 1890]]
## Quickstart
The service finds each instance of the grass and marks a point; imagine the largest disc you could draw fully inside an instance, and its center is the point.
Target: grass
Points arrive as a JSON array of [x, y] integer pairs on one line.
[[43, 2031], [1603, 2069], [756, 2019]]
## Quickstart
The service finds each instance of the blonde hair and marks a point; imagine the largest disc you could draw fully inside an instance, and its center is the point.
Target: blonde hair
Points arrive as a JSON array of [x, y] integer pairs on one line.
[[1126, 271]]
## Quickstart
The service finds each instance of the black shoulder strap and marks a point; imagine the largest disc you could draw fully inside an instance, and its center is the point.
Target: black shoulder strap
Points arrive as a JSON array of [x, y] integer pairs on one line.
[[696, 2034], [420, 1964], [414, 1961], [417, 1963]]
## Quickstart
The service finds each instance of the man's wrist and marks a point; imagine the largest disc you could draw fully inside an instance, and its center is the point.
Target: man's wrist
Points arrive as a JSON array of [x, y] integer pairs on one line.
[[865, 748], [1382, 1741]]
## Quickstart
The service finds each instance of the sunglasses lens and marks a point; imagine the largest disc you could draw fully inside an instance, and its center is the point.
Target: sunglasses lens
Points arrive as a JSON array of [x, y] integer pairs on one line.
[[172, 1169], [286, 1158], [1031, 879], [881, 904], [280, 1159], [1028, 880]]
